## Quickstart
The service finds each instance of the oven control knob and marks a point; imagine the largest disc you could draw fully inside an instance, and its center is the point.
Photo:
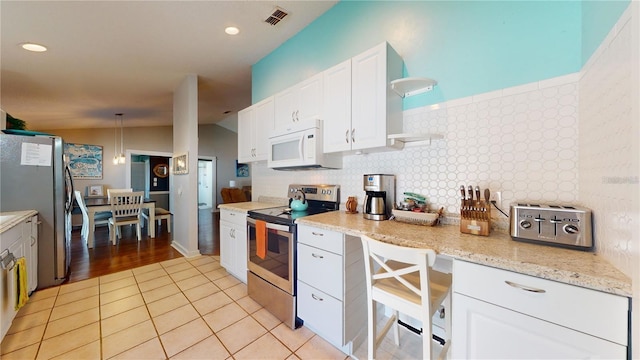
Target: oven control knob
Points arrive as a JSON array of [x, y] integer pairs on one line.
[[328, 192], [525, 224], [571, 229]]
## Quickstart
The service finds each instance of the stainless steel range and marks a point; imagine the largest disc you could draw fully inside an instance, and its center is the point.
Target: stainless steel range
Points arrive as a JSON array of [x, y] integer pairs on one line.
[[272, 242]]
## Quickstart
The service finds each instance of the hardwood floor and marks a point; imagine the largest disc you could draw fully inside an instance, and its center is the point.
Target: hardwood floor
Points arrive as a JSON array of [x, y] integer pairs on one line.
[[129, 253]]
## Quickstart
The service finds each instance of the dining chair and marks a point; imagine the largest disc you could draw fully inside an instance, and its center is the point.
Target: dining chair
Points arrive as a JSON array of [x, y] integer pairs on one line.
[[403, 279], [125, 210], [160, 214], [110, 191], [100, 218]]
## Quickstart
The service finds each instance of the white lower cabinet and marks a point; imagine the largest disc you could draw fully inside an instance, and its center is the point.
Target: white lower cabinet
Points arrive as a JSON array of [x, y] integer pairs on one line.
[[331, 286], [500, 314], [22, 241], [233, 243]]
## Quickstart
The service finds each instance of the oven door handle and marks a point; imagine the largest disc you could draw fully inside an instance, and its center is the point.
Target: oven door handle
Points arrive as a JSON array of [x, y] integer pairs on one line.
[[270, 225]]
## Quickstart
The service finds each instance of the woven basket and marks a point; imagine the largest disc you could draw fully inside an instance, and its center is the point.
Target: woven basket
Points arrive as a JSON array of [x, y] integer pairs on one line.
[[417, 218]]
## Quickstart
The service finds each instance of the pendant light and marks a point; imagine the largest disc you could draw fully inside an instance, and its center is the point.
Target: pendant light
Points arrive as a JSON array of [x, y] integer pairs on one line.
[[121, 160], [118, 158], [115, 141]]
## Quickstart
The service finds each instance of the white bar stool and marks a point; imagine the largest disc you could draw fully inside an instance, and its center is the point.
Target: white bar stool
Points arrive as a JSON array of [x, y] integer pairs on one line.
[[407, 283]]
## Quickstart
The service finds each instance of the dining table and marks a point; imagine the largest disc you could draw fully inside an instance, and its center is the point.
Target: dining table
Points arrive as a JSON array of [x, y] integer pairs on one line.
[[99, 204]]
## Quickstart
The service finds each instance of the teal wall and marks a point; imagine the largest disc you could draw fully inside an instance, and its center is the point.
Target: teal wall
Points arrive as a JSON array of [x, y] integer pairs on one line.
[[469, 47]]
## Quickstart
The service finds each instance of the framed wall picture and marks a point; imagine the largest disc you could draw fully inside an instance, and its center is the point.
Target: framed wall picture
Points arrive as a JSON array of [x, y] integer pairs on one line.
[[181, 164], [95, 191], [242, 170], [85, 161]]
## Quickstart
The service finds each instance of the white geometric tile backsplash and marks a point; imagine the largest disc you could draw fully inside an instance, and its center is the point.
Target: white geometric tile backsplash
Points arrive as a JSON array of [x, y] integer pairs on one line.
[[522, 141], [609, 147]]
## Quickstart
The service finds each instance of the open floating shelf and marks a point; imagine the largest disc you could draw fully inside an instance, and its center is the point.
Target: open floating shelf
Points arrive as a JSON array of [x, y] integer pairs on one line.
[[412, 86], [399, 140]]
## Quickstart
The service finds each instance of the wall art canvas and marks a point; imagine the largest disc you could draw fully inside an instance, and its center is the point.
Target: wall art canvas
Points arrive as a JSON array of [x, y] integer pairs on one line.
[[242, 170], [181, 164], [85, 161]]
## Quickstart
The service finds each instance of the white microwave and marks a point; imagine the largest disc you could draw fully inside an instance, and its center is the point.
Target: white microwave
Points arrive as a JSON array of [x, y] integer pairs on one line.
[[300, 148]]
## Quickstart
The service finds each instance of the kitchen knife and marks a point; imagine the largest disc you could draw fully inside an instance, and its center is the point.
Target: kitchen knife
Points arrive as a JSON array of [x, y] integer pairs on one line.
[[487, 203], [463, 204], [470, 193], [478, 195]]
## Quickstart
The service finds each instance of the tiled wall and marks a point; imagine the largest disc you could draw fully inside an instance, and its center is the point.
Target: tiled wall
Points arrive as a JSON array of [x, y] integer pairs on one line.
[[521, 141], [609, 145]]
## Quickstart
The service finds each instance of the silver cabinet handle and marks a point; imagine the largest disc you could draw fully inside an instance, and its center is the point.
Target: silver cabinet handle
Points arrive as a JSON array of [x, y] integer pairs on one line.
[[316, 297], [353, 133], [33, 241], [317, 234], [525, 288], [297, 117], [346, 136], [317, 256]]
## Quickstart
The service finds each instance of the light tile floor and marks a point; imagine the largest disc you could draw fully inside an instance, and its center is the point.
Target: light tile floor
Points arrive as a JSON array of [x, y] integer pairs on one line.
[[177, 309]]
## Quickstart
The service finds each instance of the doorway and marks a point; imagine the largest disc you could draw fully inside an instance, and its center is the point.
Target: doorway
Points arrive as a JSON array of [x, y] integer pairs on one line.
[[207, 183]]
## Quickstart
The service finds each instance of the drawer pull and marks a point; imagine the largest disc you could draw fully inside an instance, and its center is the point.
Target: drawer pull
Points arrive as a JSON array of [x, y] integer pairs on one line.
[[526, 288], [316, 297], [317, 234], [317, 256]]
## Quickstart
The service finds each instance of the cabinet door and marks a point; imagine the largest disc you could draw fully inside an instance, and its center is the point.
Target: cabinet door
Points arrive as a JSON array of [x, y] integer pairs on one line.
[[337, 107], [240, 253], [285, 106], [227, 248], [263, 126], [485, 331], [32, 258], [310, 99], [13, 241], [376, 111], [368, 118], [246, 135]]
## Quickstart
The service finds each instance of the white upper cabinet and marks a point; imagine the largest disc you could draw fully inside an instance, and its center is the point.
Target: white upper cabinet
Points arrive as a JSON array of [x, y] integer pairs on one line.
[[337, 108], [300, 102], [375, 110], [254, 125]]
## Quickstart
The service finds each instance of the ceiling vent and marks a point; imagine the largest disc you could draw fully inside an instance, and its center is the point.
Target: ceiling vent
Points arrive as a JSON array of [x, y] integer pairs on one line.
[[276, 16]]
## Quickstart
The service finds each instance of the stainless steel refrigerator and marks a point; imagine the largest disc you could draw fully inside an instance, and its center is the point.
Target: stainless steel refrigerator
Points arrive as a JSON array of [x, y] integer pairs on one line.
[[34, 176]]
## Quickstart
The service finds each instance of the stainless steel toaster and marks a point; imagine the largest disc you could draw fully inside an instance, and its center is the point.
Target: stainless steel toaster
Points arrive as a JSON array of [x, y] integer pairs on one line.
[[565, 226]]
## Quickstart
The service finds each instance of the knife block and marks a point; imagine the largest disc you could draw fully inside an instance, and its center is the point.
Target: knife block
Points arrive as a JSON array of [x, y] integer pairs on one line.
[[476, 221]]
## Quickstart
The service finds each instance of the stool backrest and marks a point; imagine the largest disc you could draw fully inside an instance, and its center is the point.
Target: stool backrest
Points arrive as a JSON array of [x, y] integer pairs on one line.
[[126, 204], [405, 261], [111, 191]]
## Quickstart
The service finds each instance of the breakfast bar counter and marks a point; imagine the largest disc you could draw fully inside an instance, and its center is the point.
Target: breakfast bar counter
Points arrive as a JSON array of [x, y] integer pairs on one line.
[[580, 268]]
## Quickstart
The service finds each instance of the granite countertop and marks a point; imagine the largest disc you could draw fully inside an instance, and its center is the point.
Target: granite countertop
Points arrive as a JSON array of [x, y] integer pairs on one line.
[[575, 267], [13, 218]]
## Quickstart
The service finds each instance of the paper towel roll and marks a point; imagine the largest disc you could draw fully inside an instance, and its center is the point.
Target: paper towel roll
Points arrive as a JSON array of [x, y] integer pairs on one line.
[[232, 183]]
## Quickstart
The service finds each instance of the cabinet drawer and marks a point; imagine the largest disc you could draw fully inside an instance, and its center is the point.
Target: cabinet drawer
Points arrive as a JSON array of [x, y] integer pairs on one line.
[[321, 312], [592, 312], [321, 238], [320, 269], [237, 218]]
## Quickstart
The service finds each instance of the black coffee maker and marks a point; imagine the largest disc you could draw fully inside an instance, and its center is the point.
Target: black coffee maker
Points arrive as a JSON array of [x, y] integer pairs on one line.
[[379, 196]]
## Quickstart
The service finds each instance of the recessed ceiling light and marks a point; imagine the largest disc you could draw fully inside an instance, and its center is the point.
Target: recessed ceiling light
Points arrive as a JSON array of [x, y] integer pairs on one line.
[[232, 30], [34, 47]]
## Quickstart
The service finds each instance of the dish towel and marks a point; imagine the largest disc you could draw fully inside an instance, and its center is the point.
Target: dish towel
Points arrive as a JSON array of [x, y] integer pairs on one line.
[[21, 283], [261, 239]]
